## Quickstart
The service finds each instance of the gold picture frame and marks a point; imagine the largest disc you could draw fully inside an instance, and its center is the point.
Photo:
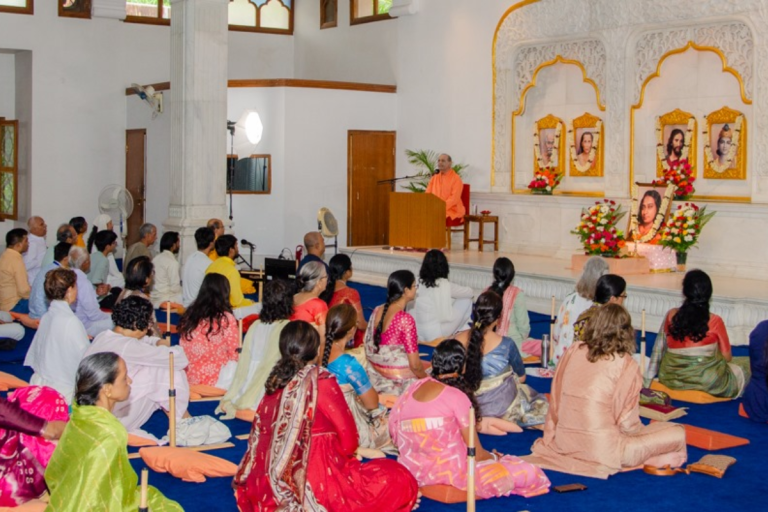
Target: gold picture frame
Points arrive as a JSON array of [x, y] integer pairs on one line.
[[548, 130], [577, 130], [667, 126], [662, 196], [733, 165]]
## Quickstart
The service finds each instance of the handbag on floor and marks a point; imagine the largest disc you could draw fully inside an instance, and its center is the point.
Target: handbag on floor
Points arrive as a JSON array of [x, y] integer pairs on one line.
[[712, 465]]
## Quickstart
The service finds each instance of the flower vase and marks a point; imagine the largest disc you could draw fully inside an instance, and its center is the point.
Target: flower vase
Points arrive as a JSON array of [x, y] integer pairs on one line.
[[682, 258], [541, 192]]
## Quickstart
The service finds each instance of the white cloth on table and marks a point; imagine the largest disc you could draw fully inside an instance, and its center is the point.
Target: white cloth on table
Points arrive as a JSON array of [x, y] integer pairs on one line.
[[57, 348], [148, 368], [33, 258], [167, 282], [192, 276], [441, 310]]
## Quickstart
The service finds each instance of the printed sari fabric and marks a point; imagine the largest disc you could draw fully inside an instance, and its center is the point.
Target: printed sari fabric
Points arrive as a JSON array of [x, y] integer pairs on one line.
[[300, 456], [390, 372], [312, 311], [505, 397], [90, 469], [428, 437]]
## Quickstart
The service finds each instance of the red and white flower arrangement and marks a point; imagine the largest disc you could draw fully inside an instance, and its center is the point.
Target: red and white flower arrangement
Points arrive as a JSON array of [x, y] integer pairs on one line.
[[682, 229], [597, 229], [545, 182], [681, 175]]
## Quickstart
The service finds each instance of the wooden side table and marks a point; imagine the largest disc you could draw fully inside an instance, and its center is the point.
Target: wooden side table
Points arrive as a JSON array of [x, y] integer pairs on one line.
[[481, 221]]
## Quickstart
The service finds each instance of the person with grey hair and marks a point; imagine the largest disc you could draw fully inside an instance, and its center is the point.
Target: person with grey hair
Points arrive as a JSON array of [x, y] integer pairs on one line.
[[33, 258], [64, 234], [147, 238], [86, 306], [310, 283], [576, 303]]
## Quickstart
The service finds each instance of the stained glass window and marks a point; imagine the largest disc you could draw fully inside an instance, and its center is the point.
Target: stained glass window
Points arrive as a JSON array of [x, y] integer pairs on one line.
[[8, 167], [363, 11], [261, 15]]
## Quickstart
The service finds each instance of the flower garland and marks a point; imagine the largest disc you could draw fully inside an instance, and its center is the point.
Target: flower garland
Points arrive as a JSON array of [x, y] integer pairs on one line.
[[571, 134], [660, 146], [555, 150], [657, 221], [683, 228], [681, 176], [597, 229], [545, 181], [713, 162]]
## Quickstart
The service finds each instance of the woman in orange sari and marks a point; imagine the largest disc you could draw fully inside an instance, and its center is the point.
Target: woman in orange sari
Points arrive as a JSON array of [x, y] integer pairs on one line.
[[307, 304], [341, 272]]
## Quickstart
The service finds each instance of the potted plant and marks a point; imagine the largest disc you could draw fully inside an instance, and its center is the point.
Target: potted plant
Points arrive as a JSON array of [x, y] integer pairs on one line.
[[545, 182], [426, 162], [682, 229], [597, 229]]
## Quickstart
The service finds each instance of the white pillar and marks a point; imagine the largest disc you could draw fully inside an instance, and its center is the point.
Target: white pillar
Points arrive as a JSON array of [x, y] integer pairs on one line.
[[198, 110]]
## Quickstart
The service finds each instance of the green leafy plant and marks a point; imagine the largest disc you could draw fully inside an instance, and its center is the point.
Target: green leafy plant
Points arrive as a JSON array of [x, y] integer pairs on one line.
[[426, 162]]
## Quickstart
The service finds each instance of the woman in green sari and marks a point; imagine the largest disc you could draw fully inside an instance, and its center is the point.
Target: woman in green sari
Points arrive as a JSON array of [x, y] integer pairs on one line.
[[90, 469]]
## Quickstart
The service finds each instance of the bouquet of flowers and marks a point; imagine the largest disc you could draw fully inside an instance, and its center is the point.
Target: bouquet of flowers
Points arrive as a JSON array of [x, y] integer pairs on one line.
[[597, 229], [682, 229], [680, 174], [545, 181]]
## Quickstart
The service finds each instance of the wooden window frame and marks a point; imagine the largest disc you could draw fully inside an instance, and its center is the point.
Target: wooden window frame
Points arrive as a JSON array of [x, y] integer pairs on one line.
[[354, 20], [157, 20], [29, 9], [329, 24], [15, 214]]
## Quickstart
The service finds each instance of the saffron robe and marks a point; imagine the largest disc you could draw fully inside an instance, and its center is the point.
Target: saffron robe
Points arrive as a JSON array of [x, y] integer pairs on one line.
[[448, 187]]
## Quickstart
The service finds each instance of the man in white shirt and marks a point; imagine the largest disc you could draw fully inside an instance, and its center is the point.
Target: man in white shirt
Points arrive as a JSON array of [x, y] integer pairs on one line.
[[33, 258], [194, 269], [167, 282]]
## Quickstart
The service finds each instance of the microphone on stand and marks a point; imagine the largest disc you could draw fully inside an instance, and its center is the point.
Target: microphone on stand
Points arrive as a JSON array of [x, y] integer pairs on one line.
[[246, 242]]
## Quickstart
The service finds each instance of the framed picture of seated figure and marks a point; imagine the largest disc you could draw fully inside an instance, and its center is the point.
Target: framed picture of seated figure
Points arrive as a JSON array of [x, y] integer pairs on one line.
[[548, 150], [725, 145], [75, 8], [649, 209], [675, 140], [585, 146]]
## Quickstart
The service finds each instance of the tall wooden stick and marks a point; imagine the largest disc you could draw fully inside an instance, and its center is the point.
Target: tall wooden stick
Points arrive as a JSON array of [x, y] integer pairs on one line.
[[240, 333], [642, 344], [144, 490], [172, 407], [471, 462], [551, 332], [168, 319]]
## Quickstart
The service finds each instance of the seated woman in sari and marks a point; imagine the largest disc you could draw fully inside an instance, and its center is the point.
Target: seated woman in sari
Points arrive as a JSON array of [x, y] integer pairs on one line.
[[575, 304], [429, 425], [21, 473], [261, 350], [300, 453], [495, 370], [756, 394], [593, 427], [90, 469], [209, 334], [441, 307], [138, 281], [611, 289], [147, 359], [391, 341], [363, 400], [307, 304], [692, 350], [514, 321], [341, 272]]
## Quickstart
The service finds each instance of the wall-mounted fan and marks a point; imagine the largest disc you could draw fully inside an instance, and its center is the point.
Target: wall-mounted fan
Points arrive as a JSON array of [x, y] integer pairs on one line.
[[117, 202], [151, 97], [328, 227]]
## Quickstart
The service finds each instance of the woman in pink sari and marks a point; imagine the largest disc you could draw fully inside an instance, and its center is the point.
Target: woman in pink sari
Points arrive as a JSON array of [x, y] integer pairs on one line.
[[429, 424], [391, 340]]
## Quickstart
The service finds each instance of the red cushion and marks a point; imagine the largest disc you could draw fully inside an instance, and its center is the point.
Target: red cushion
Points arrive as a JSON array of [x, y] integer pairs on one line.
[[453, 222]]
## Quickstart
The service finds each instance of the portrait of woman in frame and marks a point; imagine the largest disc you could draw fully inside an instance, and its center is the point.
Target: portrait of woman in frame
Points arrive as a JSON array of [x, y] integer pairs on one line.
[[585, 146]]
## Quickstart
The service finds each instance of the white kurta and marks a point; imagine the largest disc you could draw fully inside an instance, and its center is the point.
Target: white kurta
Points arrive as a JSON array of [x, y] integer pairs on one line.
[[167, 284], [57, 348], [441, 310], [33, 258], [192, 276], [149, 370]]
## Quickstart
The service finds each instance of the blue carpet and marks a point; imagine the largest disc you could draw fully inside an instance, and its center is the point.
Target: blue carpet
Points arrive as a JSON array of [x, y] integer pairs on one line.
[[742, 488]]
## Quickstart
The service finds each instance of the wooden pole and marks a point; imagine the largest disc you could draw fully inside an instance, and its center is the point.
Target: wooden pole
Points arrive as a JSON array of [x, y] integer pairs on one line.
[[551, 332], [171, 407], [240, 333], [261, 282], [168, 319], [642, 344], [144, 490], [471, 462]]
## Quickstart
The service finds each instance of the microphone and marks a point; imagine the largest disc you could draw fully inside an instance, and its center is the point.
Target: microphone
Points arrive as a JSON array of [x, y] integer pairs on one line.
[[436, 171], [249, 244]]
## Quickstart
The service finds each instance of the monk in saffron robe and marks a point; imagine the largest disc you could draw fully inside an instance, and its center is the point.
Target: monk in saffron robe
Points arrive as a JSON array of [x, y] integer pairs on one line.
[[447, 185]]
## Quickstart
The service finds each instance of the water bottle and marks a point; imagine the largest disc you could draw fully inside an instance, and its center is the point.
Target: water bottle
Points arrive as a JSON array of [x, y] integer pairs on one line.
[[545, 351]]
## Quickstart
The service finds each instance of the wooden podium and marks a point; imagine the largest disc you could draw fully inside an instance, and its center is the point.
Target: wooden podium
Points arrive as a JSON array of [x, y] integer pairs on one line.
[[416, 220]]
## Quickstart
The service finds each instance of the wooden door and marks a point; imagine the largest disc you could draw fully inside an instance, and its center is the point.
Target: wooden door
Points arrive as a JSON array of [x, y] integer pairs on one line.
[[135, 179], [370, 158]]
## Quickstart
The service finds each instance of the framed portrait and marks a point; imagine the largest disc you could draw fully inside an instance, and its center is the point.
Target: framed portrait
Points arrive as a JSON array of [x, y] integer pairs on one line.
[[75, 8], [675, 140], [585, 146], [649, 209], [548, 150], [725, 145]]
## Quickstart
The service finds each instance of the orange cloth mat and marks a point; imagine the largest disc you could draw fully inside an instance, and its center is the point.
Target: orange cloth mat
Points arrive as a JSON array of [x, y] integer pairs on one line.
[[245, 415], [444, 493], [138, 441], [206, 391], [688, 395], [710, 439]]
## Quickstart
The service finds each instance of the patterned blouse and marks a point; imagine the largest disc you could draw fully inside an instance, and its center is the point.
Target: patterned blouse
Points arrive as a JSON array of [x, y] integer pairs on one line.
[[207, 354]]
